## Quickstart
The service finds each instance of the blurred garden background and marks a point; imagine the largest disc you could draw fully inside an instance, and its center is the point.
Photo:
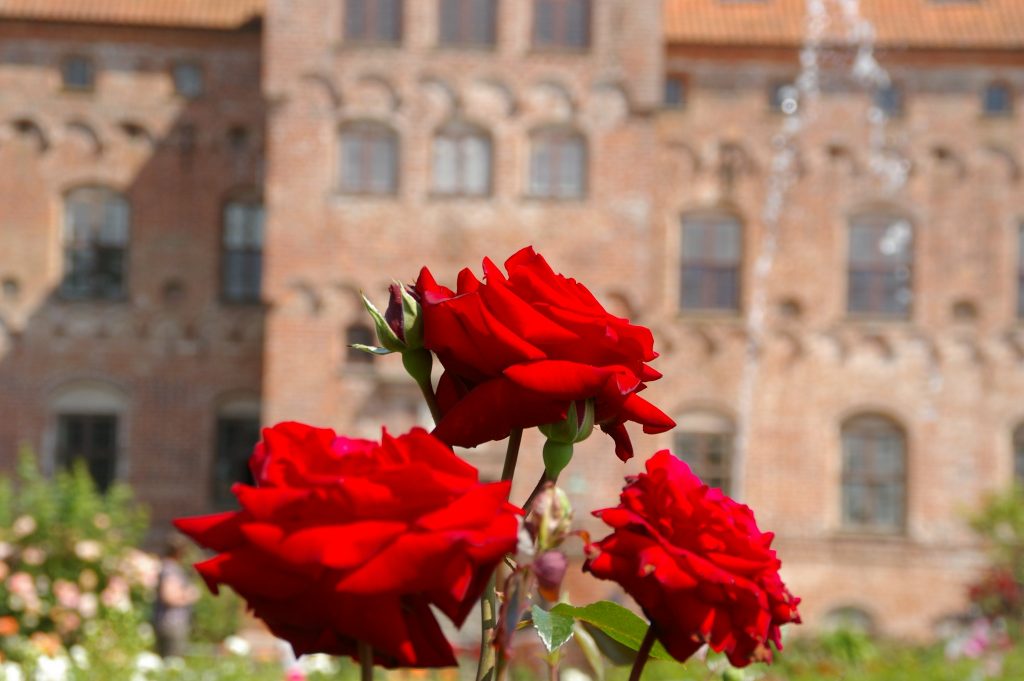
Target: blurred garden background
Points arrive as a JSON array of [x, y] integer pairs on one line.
[[815, 205]]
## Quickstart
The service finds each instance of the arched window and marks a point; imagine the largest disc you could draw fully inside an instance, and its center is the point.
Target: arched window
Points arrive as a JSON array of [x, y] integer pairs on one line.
[[96, 227], [1018, 454], [237, 432], [704, 440], [558, 163], [561, 24], [710, 262], [369, 158], [874, 474], [373, 21], [880, 265], [242, 251], [462, 160], [468, 23], [88, 416]]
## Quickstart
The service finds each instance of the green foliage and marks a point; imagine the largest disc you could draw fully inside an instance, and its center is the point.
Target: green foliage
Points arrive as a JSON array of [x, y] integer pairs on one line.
[[999, 593], [622, 625], [214, 618], [554, 628]]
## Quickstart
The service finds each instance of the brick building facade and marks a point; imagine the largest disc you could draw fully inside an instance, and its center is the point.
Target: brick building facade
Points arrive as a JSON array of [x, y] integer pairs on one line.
[[846, 360]]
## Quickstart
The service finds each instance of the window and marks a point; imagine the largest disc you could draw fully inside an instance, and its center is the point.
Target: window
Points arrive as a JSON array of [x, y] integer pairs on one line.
[[561, 24], [711, 258], [358, 334], [874, 474], [78, 73], [997, 100], [369, 159], [1020, 271], [96, 225], [242, 251], [462, 160], [470, 23], [237, 434], [675, 93], [558, 164], [188, 79], [706, 445], [889, 100], [1018, 454], [91, 438], [373, 21], [880, 265]]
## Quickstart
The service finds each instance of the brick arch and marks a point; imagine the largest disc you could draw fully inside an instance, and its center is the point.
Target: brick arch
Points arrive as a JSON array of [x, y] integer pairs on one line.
[[373, 82], [323, 86], [27, 128], [491, 86], [137, 131], [86, 131]]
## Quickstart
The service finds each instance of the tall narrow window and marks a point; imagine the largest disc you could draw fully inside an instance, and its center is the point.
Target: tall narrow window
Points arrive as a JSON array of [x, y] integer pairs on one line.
[[369, 158], [1018, 455], [880, 265], [705, 443], [373, 21], [91, 438], [242, 251], [78, 73], [711, 259], [874, 474], [188, 79], [469, 23], [675, 92], [561, 24], [997, 99], [96, 226], [237, 434], [1020, 271], [462, 160], [889, 99], [558, 164]]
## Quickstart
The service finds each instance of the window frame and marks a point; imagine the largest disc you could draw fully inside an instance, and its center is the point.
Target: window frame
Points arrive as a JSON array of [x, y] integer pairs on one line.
[[464, 36], [94, 248], [873, 427], [88, 420], [460, 131], [997, 114], [219, 497], [684, 91], [91, 69], [878, 267], [378, 131], [370, 35], [896, 107], [201, 76], [721, 432], [560, 27], [248, 200], [710, 266], [560, 135]]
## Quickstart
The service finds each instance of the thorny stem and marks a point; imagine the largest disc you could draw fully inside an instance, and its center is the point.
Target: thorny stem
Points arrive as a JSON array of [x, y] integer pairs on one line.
[[365, 661], [488, 622], [642, 655]]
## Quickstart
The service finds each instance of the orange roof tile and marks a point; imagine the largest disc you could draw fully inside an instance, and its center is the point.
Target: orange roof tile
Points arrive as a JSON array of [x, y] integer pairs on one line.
[[210, 14], [965, 24]]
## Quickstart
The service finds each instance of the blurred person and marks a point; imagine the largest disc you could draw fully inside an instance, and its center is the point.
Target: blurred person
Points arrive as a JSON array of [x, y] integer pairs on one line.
[[175, 595]]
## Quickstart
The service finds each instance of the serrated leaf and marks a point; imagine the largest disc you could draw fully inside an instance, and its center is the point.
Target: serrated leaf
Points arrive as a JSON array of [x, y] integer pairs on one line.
[[620, 624], [372, 349], [553, 628]]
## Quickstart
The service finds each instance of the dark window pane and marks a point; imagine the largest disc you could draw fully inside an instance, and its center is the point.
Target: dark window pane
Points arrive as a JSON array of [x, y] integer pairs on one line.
[[709, 455], [242, 251], [91, 438], [468, 22], [359, 334], [78, 73], [558, 164], [96, 226], [373, 21], [675, 93], [998, 100], [236, 437], [355, 19], [561, 23], [890, 99], [710, 263], [188, 80], [369, 159]]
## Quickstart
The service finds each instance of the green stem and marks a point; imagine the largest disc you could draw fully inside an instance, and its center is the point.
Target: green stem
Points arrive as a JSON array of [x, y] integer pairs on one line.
[[365, 661], [515, 438], [428, 395], [642, 655], [488, 622], [544, 478]]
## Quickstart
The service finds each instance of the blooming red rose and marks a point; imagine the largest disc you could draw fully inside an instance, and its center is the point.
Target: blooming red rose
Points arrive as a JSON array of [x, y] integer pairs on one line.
[[344, 540], [517, 350], [696, 563]]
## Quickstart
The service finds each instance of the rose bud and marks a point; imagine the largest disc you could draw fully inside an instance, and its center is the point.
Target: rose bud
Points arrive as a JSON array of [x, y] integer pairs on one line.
[[400, 329], [551, 517], [550, 568]]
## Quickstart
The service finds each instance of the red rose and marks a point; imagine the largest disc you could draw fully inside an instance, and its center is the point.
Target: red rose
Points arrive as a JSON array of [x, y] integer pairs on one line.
[[344, 540], [518, 349], [696, 563]]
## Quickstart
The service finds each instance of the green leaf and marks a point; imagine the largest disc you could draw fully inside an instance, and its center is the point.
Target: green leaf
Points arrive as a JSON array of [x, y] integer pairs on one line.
[[372, 349], [553, 628], [590, 649], [620, 624]]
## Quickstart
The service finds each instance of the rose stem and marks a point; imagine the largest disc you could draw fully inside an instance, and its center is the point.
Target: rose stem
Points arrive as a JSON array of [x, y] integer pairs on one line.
[[428, 395], [642, 655], [488, 622], [365, 661]]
